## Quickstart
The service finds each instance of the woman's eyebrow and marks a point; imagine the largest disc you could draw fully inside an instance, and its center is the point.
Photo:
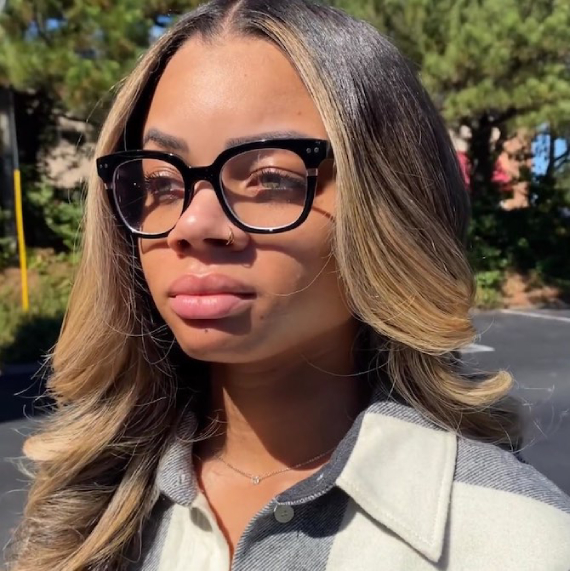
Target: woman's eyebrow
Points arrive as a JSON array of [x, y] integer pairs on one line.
[[269, 135], [172, 143], [167, 142]]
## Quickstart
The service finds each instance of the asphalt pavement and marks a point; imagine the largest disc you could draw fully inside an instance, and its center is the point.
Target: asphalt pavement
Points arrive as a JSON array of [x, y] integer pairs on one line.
[[533, 345]]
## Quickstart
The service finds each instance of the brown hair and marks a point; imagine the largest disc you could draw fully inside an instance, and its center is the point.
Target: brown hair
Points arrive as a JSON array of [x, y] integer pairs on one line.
[[402, 213]]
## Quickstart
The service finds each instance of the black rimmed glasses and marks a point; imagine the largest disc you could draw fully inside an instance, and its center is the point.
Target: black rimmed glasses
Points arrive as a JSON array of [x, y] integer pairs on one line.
[[264, 187]]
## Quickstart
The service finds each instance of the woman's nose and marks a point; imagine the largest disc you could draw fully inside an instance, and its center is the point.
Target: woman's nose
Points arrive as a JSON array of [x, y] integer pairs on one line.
[[204, 223]]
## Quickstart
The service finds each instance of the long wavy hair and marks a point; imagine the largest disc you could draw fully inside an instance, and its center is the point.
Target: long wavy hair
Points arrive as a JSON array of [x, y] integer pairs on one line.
[[401, 218]]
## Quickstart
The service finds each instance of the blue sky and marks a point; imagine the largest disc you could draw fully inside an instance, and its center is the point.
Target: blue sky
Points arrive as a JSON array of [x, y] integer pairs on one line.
[[540, 151]]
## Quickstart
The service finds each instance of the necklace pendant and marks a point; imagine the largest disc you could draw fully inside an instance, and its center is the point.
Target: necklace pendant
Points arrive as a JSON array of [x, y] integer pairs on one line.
[[255, 480]]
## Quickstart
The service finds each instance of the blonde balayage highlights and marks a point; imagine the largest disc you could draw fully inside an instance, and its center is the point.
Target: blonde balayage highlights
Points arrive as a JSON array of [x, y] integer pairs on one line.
[[400, 219]]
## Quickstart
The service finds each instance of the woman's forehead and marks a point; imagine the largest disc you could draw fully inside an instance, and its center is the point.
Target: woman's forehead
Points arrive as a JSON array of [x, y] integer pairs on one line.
[[211, 92]]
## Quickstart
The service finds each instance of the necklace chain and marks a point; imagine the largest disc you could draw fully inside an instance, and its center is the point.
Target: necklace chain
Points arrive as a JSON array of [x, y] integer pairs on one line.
[[257, 479]]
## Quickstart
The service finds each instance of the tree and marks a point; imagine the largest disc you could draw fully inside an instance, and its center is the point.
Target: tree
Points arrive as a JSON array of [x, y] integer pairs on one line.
[[490, 66], [74, 52], [63, 58], [486, 63], [496, 68]]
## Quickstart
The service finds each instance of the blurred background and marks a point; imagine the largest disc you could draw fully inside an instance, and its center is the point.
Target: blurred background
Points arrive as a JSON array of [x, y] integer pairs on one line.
[[499, 71]]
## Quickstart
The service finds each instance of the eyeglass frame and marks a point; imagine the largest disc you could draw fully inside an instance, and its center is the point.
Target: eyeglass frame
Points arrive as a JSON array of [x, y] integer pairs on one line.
[[311, 151]]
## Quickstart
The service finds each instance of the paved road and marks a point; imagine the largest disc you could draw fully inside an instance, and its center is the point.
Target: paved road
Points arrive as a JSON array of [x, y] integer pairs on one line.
[[14, 426], [534, 346]]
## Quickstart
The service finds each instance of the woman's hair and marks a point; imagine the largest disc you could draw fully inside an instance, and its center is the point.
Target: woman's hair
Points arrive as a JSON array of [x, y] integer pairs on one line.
[[401, 218]]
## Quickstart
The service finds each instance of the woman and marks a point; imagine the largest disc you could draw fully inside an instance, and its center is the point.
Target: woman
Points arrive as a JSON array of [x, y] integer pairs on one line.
[[255, 370]]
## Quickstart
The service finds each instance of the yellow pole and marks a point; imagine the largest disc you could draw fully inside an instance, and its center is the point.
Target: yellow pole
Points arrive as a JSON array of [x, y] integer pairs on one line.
[[21, 238], [18, 201]]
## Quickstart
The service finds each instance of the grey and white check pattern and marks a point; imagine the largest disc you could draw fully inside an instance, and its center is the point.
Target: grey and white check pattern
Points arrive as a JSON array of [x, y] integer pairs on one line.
[[399, 494]]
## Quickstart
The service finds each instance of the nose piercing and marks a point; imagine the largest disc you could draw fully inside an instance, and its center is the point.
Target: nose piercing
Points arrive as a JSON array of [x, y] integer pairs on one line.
[[230, 238]]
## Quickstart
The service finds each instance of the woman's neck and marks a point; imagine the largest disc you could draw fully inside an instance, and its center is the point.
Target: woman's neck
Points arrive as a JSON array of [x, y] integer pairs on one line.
[[287, 410]]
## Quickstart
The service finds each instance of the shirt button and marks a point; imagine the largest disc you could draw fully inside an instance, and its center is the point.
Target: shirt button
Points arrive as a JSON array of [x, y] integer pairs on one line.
[[283, 513]]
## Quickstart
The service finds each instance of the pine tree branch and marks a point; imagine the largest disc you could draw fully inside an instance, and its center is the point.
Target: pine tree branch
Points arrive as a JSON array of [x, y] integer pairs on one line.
[[41, 31], [551, 159], [507, 115], [562, 158]]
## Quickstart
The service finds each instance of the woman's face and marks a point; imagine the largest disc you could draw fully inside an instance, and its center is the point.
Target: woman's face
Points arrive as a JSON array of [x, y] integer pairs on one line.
[[262, 295]]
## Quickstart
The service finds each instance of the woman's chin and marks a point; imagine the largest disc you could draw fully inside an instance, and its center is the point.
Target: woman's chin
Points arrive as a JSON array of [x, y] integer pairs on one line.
[[215, 345]]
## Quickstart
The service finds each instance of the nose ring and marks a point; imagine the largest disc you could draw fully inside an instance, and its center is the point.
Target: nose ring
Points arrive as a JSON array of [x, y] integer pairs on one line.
[[230, 238]]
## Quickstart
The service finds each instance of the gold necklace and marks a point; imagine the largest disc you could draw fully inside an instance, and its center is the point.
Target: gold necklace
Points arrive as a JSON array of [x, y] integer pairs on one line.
[[255, 479]]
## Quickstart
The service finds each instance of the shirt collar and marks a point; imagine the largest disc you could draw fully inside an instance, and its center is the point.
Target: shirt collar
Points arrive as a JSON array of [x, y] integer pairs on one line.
[[175, 477], [400, 471], [393, 462]]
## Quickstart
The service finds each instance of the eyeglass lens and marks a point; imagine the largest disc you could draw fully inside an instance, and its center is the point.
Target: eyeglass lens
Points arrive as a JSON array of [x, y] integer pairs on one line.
[[263, 188]]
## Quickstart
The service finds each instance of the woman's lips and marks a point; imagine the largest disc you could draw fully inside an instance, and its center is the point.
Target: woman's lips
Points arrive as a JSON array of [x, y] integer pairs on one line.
[[209, 306], [210, 296]]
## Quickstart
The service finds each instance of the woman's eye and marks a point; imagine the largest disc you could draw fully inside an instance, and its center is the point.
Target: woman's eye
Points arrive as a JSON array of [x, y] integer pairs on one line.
[[275, 180], [164, 187]]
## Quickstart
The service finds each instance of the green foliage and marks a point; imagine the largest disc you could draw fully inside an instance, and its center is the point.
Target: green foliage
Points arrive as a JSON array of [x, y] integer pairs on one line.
[[27, 337], [8, 246], [509, 57], [52, 218], [489, 284], [7, 252], [531, 241], [496, 67], [563, 180], [75, 51], [540, 234], [63, 58], [34, 336], [61, 210]]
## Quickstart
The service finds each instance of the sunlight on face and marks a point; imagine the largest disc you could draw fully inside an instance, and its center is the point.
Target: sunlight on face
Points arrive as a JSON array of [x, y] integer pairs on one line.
[[267, 294]]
